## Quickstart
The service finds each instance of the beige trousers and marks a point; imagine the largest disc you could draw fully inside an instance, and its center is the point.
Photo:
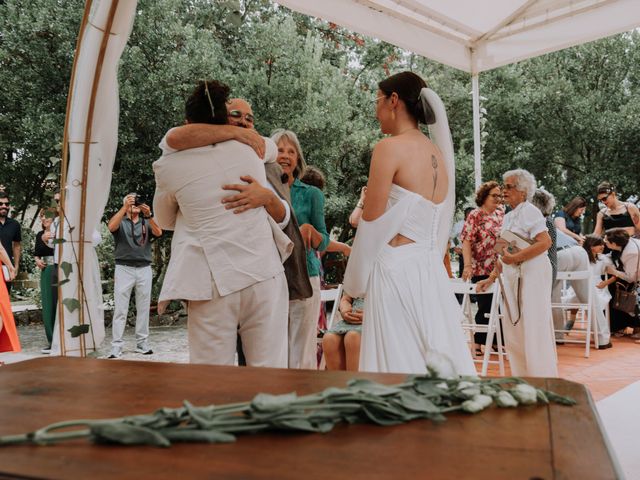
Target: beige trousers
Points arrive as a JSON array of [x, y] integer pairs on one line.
[[303, 329], [258, 313]]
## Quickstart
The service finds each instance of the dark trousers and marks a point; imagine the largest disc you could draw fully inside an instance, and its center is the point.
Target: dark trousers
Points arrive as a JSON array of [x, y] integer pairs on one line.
[[484, 307]]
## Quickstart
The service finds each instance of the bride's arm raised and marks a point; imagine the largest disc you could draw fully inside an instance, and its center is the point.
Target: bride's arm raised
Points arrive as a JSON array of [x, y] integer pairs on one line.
[[383, 168]]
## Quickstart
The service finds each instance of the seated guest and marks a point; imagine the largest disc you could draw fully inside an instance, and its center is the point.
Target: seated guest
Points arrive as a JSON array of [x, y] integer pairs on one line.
[[567, 220], [526, 276], [341, 343], [618, 240]]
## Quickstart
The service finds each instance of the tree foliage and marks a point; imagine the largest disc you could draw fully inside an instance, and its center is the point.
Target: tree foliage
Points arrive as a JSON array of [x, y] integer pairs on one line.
[[570, 117]]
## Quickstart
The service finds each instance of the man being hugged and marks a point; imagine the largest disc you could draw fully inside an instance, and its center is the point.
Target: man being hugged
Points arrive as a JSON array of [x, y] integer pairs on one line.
[[229, 267]]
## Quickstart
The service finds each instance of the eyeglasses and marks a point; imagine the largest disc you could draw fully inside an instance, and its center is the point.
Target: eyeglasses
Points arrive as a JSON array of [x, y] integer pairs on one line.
[[4, 203], [602, 199], [508, 186], [378, 98], [237, 114]]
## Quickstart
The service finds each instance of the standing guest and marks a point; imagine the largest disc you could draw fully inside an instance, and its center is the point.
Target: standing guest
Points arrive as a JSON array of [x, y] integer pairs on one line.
[[619, 240], [228, 266], [615, 214], [479, 234], [567, 220], [132, 227], [313, 176], [9, 341], [526, 274], [308, 206], [341, 343], [43, 254], [10, 234], [396, 262]]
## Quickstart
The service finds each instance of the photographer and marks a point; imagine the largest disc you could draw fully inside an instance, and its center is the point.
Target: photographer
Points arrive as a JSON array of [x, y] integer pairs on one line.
[[131, 227]]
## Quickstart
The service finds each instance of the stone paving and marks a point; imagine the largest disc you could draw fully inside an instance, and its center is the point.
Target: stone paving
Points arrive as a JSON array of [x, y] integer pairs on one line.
[[169, 344]]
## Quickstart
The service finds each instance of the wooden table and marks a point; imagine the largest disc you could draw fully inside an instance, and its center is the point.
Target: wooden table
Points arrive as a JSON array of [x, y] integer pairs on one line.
[[546, 442]]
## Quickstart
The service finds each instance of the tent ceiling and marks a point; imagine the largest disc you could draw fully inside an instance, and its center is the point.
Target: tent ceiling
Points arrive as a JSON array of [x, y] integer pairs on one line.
[[478, 35]]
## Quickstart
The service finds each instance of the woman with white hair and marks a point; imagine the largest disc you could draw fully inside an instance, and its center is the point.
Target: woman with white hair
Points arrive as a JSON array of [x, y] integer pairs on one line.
[[526, 275]]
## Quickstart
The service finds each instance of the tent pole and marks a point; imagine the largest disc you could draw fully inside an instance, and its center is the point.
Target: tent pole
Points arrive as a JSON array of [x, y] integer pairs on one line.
[[476, 130]]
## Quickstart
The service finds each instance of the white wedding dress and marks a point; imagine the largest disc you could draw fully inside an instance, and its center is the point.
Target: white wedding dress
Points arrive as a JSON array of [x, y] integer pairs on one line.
[[410, 310]]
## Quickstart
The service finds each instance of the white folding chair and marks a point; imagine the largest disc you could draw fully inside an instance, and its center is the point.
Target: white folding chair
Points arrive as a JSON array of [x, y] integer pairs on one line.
[[585, 309], [330, 295], [493, 327]]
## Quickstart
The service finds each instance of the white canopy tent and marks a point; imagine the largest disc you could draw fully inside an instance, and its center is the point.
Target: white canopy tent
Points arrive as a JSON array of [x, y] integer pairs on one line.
[[471, 35], [478, 35]]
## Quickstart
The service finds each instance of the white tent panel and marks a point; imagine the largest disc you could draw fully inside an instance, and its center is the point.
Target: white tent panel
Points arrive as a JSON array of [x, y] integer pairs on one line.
[[478, 35]]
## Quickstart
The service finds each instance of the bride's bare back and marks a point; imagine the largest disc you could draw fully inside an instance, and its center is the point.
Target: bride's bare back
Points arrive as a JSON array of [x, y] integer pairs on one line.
[[411, 161]]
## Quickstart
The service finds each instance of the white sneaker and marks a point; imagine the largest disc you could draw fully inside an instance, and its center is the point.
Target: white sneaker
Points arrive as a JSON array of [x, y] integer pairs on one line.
[[46, 351], [113, 355], [144, 351]]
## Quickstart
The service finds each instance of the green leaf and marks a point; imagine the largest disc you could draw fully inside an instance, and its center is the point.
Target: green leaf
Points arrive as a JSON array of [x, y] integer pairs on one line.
[[66, 268], [264, 402], [208, 436], [78, 330], [374, 388], [72, 304], [126, 434], [61, 282], [57, 241]]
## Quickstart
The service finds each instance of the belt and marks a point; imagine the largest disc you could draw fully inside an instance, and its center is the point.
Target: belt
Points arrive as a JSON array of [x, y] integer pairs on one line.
[[564, 247]]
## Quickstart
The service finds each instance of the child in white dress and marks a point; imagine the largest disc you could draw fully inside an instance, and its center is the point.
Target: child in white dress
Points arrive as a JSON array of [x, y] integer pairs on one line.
[[594, 245]]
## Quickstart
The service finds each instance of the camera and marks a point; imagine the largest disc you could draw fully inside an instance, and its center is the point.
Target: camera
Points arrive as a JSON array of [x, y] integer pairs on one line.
[[139, 200]]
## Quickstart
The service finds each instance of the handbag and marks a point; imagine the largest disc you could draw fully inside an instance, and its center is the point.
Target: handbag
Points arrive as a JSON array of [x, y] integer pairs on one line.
[[626, 297]]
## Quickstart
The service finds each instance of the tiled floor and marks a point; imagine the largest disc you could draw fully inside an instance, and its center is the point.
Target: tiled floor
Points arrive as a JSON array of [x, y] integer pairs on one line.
[[604, 372]]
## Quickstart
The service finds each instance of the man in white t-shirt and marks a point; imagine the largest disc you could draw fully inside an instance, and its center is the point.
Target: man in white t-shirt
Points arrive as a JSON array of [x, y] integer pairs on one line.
[[229, 267]]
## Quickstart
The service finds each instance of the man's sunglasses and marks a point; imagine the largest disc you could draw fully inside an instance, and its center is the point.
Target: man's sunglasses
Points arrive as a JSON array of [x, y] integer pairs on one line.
[[237, 114], [4, 203]]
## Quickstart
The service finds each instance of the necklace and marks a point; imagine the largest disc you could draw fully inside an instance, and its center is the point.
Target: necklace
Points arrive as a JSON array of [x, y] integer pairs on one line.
[[405, 130]]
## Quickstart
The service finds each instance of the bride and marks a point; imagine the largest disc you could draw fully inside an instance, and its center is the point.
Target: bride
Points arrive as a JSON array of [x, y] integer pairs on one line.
[[397, 257]]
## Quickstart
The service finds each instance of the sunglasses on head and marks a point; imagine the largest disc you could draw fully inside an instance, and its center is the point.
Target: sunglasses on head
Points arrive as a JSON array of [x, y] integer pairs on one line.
[[602, 199], [237, 114]]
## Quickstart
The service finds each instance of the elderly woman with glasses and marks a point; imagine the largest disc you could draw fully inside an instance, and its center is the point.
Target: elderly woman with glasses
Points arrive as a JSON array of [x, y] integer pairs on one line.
[[479, 234], [525, 272]]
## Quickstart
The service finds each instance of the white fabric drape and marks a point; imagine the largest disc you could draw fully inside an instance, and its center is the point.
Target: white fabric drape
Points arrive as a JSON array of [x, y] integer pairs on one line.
[[102, 151]]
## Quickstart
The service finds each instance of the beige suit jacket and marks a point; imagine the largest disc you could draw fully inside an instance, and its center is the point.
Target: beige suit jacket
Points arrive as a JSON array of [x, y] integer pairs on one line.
[[210, 242]]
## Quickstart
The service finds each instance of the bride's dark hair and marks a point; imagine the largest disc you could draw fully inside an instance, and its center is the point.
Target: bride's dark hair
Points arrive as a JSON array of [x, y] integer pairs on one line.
[[407, 85]]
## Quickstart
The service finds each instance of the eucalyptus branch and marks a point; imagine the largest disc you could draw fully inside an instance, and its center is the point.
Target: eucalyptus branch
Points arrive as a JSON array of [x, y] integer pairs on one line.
[[363, 401]]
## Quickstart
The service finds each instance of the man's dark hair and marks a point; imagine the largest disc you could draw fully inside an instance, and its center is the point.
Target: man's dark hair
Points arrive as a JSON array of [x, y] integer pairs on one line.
[[4, 195], [618, 236], [407, 85], [208, 103]]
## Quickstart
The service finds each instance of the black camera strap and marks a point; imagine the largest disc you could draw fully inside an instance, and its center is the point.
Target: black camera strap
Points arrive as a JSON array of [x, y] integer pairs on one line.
[[143, 238]]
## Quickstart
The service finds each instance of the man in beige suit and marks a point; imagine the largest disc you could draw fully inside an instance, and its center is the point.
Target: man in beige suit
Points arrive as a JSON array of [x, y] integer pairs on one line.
[[229, 267]]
